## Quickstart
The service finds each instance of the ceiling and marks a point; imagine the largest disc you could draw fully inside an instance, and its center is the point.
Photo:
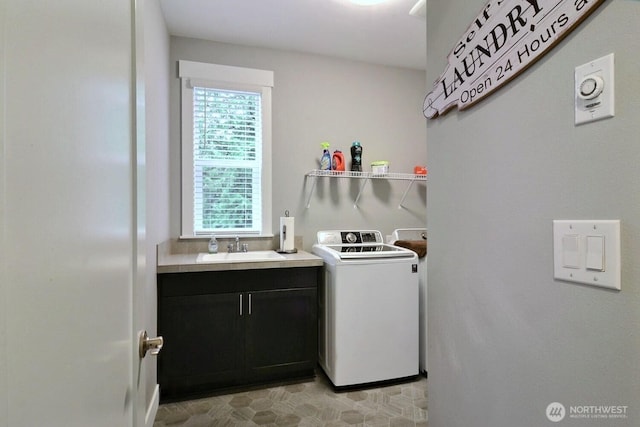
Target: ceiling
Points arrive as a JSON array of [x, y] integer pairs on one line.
[[382, 34]]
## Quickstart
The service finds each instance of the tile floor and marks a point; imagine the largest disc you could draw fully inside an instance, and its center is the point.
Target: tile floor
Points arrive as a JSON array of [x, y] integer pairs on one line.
[[312, 403]]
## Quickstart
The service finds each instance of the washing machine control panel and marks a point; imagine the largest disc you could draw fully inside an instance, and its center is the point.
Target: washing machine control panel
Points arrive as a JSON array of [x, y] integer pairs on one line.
[[355, 237], [358, 237]]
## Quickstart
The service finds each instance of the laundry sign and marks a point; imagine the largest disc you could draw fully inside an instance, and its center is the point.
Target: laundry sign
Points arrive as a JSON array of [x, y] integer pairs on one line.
[[506, 37]]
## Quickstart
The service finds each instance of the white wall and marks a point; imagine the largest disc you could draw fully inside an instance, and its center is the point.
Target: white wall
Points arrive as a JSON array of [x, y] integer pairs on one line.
[[506, 339], [156, 66], [318, 98]]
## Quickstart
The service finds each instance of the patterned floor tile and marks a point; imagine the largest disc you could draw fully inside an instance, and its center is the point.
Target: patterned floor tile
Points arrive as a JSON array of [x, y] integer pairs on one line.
[[308, 404]]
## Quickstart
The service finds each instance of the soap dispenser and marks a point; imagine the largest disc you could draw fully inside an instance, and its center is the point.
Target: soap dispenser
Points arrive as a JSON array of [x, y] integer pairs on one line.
[[213, 245]]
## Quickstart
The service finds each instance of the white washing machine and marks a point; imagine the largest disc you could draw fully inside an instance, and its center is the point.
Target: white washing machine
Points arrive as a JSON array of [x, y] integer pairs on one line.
[[368, 308], [418, 235]]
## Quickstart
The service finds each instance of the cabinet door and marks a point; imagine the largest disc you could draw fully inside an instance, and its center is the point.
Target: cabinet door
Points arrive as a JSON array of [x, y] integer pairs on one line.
[[282, 333], [204, 344]]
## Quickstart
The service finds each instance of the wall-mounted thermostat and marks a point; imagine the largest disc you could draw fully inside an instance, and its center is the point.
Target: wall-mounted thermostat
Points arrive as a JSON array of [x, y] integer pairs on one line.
[[594, 90]]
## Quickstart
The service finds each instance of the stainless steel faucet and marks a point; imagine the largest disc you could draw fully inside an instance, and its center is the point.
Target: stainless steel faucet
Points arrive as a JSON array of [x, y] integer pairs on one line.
[[238, 247]]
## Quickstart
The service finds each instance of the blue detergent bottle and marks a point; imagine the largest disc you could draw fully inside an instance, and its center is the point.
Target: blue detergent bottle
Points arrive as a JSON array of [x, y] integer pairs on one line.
[[325, 160]]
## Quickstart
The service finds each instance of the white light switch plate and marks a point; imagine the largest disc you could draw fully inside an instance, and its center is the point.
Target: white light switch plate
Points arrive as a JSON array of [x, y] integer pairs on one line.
[[588, 252], [594, 90]]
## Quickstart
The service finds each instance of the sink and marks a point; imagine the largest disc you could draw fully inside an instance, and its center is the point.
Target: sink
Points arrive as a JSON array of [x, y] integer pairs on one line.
[[251, 256]]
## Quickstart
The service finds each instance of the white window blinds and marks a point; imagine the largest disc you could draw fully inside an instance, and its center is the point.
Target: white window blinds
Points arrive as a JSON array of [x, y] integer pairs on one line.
[[227, 161]]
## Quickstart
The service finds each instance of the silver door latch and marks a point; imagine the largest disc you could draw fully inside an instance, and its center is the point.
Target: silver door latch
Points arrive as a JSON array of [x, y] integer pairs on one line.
[[145, 344]]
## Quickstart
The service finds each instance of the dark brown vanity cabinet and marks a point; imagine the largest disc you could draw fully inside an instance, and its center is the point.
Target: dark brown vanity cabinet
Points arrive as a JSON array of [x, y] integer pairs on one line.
[[230, 328]]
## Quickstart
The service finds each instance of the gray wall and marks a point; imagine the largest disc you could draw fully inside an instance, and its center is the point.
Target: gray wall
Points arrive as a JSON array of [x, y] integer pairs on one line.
[[506, 339], [317, 98]]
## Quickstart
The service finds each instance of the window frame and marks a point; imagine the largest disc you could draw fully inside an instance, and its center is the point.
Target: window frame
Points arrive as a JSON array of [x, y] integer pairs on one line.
[[224, 77]]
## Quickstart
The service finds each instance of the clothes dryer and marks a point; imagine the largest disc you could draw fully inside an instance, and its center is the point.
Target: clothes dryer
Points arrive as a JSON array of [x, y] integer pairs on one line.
[[417, 238]]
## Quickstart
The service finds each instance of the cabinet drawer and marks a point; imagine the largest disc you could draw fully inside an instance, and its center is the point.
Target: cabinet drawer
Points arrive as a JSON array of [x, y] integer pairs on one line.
[[215, 282]]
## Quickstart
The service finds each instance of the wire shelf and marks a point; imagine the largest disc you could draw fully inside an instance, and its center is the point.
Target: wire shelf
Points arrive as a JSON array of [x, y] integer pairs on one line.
[[367, 175], [317, 173]]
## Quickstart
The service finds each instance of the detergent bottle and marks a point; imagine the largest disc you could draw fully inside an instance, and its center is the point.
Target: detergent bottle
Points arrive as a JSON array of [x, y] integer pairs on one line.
[[325, 160], [356, 156], [337, 162]]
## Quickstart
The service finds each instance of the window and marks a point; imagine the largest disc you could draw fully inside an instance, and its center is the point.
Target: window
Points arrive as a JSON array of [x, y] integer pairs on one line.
[[226, 150]]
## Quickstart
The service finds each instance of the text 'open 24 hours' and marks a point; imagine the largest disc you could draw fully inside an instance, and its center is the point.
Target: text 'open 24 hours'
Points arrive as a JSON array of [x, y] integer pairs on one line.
[[506, 38]]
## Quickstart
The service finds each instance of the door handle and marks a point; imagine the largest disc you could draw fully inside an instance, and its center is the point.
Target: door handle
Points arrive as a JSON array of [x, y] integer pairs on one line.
[[145, 344]]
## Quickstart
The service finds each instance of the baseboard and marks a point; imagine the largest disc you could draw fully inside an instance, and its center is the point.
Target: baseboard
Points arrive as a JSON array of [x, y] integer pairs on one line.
[[152, 410]]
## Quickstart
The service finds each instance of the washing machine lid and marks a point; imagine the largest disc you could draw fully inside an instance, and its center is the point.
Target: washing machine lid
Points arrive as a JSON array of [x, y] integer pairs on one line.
[[359, 251]]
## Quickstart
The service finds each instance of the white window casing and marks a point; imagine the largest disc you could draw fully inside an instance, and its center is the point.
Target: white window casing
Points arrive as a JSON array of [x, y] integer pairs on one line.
[[234, 79]]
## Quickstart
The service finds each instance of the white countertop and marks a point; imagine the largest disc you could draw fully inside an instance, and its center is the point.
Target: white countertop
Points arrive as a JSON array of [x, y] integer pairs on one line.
[[180, 262]]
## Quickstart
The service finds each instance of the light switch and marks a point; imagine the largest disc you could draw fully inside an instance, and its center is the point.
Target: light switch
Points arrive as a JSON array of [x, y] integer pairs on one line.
[[571, 251], [588, 252], [595, 253]]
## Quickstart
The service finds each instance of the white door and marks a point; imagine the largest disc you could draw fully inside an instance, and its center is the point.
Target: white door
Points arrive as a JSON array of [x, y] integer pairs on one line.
[[69, 260]]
